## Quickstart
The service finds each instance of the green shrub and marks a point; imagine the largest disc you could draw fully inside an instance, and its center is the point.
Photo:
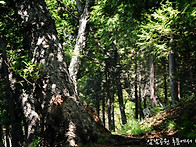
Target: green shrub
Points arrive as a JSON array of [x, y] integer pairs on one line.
[[133, 127]]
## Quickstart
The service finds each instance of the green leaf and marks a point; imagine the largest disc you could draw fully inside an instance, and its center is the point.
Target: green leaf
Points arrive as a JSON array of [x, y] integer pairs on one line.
[[2, 2]]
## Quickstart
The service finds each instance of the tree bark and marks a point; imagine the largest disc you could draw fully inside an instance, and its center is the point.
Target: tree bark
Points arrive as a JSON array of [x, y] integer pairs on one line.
[[81, 39], [51, 103], [172, 74], [152, 89]]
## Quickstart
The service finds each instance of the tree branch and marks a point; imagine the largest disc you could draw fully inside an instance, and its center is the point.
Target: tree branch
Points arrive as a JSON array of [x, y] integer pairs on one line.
[[67, 9]]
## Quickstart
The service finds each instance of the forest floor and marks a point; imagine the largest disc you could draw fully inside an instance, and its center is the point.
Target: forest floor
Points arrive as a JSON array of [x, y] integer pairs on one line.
[[174, 126]]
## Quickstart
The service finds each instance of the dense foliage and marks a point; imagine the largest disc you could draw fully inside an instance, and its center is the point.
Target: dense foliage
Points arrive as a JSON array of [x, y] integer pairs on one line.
[[114, 73]]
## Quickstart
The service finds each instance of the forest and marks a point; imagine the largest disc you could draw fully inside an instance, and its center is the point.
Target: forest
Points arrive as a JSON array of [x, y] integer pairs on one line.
[[97, 73]]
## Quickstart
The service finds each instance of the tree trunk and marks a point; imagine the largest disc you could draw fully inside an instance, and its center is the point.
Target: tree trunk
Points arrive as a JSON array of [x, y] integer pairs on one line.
[[179, 90], [172, 73], [112, 112], [139, 102], [120, 98], [1, 136], [10, 100], [152, 89], [7, 135], [52, 102], [81, 39], [103, 109], [108, 95], [98, 105], [118, 83], [165, 83], [136, 95]]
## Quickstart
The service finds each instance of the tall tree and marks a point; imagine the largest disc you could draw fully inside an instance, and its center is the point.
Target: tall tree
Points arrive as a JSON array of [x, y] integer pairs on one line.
[[81, 39], [51, 103], [152, 78], [172, 75]]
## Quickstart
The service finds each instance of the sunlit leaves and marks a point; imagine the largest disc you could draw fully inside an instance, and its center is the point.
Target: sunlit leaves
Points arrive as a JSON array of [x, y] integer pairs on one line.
[[2, 2], [157, 31]]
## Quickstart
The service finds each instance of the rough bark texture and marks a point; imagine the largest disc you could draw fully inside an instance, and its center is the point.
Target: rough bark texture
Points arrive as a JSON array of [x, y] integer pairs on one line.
[[81, 39], [152, 91], [51, 106], [172, 73]]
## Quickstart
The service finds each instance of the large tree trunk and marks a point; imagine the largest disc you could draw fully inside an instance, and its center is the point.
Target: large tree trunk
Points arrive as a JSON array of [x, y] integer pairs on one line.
[[152, 89], [172, 74], [51, 105], [81, 39]]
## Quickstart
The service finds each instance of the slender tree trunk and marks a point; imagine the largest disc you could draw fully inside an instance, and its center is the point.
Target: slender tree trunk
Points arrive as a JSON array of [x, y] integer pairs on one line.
[[118, 84], [172, 73], [107, 86], [10, 100], [179, 90], [52, 98], [1, 136], [139, 102], [81, 39], [7, 134], [98, 105], [145, 99], [112, 112], [165, 82], [136, 92], [103, 110], [120, 98], [152, 89]]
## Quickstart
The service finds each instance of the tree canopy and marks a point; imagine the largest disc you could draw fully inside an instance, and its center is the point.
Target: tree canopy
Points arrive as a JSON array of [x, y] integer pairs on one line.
[[78, 67]]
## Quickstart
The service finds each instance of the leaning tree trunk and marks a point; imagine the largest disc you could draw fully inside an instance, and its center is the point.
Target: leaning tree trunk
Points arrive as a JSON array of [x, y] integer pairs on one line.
[[81, 39], [51, 105]]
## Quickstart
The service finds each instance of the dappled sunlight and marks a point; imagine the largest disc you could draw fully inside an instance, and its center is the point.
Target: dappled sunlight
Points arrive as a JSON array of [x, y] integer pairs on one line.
[[65, 64]]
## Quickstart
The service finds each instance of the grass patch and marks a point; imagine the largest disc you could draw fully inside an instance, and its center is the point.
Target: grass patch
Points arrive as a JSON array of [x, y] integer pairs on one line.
[[133, 127]]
